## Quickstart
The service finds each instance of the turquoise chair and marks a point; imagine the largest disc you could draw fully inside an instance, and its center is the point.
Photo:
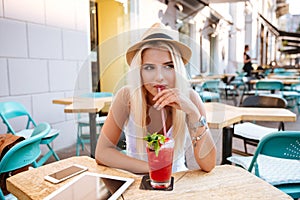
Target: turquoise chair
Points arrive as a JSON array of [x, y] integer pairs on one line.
[[296, 88], [236, 87], [278, 70], [13, 110], [82, 138], [272, 88], [209, 91], [267, 72], [292, 95], [286, 73], [238, 80], [276, 160], [25, 152]]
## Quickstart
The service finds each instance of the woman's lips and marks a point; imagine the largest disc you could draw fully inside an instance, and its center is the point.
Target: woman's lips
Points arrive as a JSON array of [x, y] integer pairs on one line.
[[160, 87]]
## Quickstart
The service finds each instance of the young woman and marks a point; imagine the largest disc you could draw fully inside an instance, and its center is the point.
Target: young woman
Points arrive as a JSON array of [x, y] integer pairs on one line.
[[247, 62], [157, 61]]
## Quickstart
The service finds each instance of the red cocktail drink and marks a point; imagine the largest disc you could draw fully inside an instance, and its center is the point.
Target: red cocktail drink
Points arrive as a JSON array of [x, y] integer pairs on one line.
[[161, 165]]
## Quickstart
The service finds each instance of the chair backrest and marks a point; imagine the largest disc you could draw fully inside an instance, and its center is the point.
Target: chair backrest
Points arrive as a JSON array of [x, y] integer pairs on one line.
[[283, 144], [267, 72], [239, 79], [97, 94], [286, 73], [269, 85], [211, 85], [10, 110], [278, 70], [295, 87], [25, 152], [264, 102], [241, 74]]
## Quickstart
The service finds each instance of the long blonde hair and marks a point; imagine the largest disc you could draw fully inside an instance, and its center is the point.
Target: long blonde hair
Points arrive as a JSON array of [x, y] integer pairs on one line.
[[138, 104]]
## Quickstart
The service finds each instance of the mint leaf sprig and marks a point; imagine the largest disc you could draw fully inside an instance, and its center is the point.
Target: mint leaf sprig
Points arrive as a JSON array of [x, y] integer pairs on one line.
[[155, 141]]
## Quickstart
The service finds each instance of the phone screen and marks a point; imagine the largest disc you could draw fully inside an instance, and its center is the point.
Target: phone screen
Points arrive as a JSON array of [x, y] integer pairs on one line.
[[66, 172]]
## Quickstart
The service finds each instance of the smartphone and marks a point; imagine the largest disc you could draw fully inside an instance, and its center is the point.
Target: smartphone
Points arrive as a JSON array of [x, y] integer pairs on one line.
[[65, 173]]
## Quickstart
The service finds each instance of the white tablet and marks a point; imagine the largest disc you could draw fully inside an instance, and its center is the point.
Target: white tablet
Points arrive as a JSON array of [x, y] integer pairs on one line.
[[92, 186]]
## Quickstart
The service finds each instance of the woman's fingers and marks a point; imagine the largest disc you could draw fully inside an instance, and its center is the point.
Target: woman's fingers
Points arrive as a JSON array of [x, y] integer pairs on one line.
[[168, 97], [174, 99]]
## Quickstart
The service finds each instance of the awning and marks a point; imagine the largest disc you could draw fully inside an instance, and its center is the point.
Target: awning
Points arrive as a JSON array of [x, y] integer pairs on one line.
[[290, 42], [271, 27], [290, 51], [192, 7]]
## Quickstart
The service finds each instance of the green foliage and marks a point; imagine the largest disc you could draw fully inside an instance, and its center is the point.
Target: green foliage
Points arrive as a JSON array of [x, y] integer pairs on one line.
[[154, 141]]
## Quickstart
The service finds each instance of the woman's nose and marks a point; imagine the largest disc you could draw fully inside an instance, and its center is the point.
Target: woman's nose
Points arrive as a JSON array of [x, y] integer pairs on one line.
[[159, 74]]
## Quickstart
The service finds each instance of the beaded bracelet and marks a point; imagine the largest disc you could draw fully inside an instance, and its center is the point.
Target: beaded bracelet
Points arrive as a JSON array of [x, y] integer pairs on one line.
[[199, 137]]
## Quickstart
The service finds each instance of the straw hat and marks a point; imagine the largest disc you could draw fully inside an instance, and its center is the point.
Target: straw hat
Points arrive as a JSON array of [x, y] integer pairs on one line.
[[158, 32]]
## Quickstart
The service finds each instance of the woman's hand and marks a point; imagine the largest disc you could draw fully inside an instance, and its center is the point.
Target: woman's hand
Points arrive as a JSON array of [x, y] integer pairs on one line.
[[174, 98]]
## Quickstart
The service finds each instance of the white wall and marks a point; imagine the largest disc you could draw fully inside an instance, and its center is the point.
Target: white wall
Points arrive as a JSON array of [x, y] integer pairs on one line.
[[43, 44], [237, 39], [144, 18]]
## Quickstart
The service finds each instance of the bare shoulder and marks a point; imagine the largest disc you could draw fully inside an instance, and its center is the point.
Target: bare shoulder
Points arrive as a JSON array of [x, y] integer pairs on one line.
[[122, 98], [123, 93]]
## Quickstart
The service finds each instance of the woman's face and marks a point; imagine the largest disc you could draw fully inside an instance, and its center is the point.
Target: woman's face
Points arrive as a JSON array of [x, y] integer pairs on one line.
[[157, 70]]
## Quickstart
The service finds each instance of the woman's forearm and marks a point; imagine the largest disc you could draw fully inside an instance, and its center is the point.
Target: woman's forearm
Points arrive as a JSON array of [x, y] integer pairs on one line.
[[205, 152], [203, 145], [113, 158]]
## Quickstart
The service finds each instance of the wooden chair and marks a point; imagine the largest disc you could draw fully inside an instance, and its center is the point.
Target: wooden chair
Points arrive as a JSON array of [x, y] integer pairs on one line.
[[250, 132]]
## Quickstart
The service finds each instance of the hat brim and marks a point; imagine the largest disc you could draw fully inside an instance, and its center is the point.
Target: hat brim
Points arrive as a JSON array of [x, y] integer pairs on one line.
[[184, 50]]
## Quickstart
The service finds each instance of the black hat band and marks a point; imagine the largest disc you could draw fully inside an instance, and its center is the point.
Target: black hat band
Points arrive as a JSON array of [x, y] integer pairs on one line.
[[157, 36]]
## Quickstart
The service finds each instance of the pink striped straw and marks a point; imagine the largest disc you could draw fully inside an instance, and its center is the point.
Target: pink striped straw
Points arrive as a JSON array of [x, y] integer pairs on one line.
[[163, 117]]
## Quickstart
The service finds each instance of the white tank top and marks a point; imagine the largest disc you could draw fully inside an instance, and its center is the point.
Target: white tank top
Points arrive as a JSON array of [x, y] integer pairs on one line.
[[178, 164]]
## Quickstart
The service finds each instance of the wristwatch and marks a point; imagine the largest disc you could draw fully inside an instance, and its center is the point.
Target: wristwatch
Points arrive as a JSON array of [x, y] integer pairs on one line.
[[201, 122]]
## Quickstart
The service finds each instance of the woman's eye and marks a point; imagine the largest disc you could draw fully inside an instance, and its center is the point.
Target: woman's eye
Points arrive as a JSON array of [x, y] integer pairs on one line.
[[170, 66], [148, 67]]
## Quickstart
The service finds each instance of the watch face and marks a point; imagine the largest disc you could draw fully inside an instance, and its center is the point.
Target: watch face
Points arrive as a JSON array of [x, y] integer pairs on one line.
[[202, 121]]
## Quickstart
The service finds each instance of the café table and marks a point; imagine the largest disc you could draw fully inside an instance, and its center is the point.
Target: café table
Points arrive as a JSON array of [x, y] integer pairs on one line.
[[282, 77], [222, 116], [223, 182], [296, 71], [85, 105], [201, 79], [284, 81]]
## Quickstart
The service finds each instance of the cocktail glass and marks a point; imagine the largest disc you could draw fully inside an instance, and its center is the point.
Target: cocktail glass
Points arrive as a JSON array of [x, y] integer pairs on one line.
[[161, 165]]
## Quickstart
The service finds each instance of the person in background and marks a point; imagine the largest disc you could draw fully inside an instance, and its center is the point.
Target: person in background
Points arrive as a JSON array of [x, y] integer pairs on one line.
[[247, 62], [157, 61]]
